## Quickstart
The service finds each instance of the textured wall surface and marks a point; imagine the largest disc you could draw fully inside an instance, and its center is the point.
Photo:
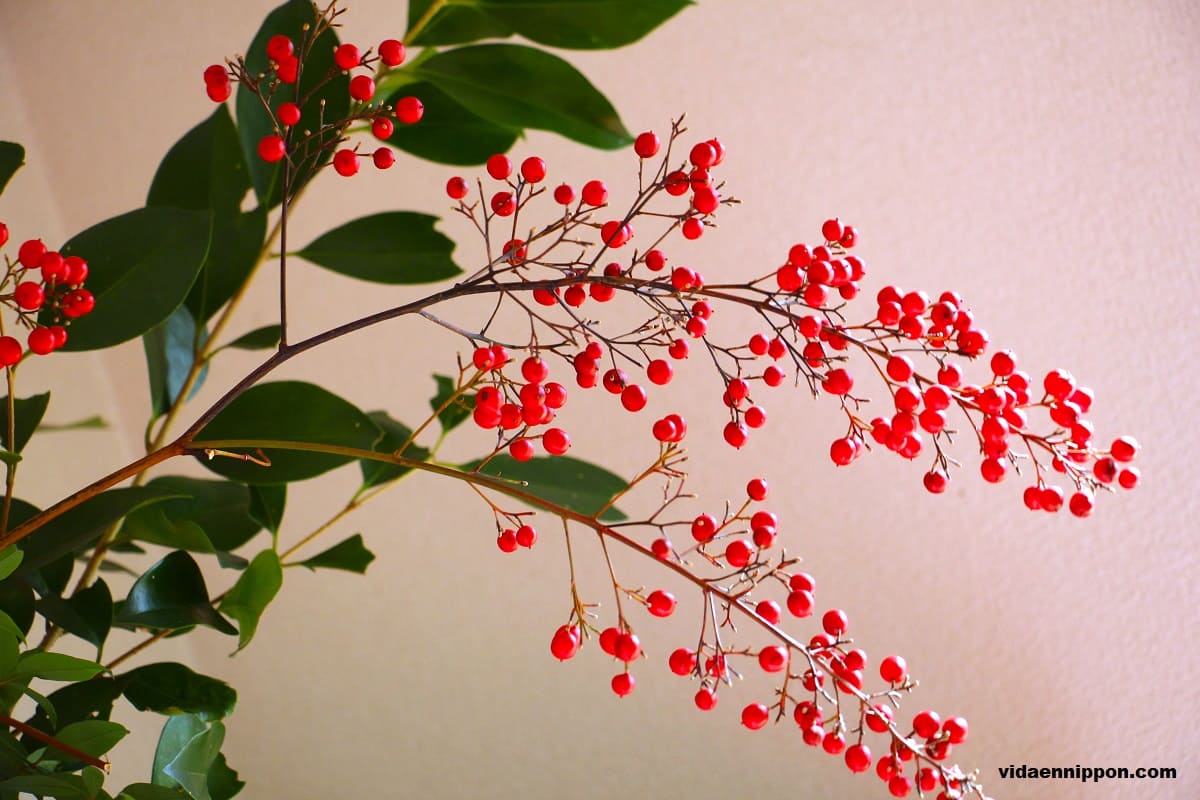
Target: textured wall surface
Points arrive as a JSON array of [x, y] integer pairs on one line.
[[1041, 160]]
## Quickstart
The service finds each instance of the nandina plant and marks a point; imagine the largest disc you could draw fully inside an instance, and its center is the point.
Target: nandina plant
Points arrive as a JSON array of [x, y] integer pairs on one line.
[[583, 295]]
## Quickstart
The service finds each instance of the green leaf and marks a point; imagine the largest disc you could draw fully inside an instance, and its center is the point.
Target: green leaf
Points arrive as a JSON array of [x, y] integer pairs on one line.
[[172, 594], [449, 133], [395, 434], [334, 97], [142, 265], [392, 247], [252, 593], [55, 667], [52, 578], [191, 766], [171, 688], [457, 412], [96, 422], [265, 338], [454, 25], [62, 786], [10, 559], [10, 653], [176, 733], [28, 413], [523, 87], [266, 505], [45, 705], [170, 353], [16, 601], [10, 627], [9, 458], [80, 527], [350, 555], [12, 158], [93, 736], [148, 791], [223, 782], [204, 516], [87, 614], [75, 702], [562, 480], [288, 411]]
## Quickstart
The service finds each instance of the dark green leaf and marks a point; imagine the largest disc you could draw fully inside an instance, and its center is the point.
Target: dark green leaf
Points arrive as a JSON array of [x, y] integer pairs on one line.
[[350, 555], [453, 25], [92, 736], [266, 338], [12, 158], [205, 516], [10, 458], [77, 701], [142, 265], [28, 413], [61, 786], [96, 422], [237, 245], [204, 169], [87, 614], [223, 782], [78, 528], [172, 594], [52, 578], [254, 590], [16, 601], [253, 124], [395, 434], [449, 133], [176, 733], [562, 480], [148, 791], [191, 766], [170, 688], [288, 411], [10, 653], [523, 87], [266, 505], [580, 24], [393, 247], [10, 559], [9, 627], [170, 353], [456, 412], [45, 705], [55, 667]]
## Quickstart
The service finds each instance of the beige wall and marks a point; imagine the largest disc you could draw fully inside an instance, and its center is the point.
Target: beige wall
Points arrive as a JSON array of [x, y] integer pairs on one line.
[[1040, 159]]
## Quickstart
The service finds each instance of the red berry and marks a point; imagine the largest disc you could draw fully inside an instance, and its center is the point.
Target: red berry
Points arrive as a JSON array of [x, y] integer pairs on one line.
[[218, 74], [362, 88], [843, 451], [755, 715], [704, 527], [41, 341], [1129, 477], [899, 369], [533, 169], [521, 450], [926, 724], [706, 200], [755, 417], [935, 480], [646, 144], [1124, 449], [703, 155], [993, 470], [622, 684], [773, 658], [595, 193], [3, 234], [677, 183], [661, 548], [564, 194], [383, 157], [507, 540], [756, 489], [345, 162], [735, 434], [633, 397], [382, 128], [391, 52], [288, 114], [800, 603], [30, 253], [769, 610], [858, 758], [219, 92], [346, 57], [832, 230], [1082, 503], [900, 785], [608, 640], [456, 188], [526, 536], [565, 643], [693, 228], [682, 661], [834, 622], [29, 295], [660, 603], [626, 647], [499, 166], [409, 110], [706, 699], [556, 441], [78, 303], [503, 204], [288, 69], [893, 669], [838, 382], [279, 47], [739, 553]]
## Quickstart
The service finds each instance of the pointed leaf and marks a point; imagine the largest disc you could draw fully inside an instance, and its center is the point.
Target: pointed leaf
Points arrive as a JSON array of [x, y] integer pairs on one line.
[[61, 786], [223, 782], [252, 593], [288, 411], [580, 24], [87, 613], [176, 733], [523, 87], [74, 702], [28, 413], [10, 559], [142, 265], [393, 247], [170, 688], [563, 480], [206, 516], [12, 158], [10, 628], [395, 434], [170, 353], [191, 766], [454, 25], [45, 706], [55, 667], [205, 169], [456, 412], [449, 132], [265, 338], [289, 19], [266, 505], [172, 594], [92, 736], [350, 555], [148, 791], [16, 601]]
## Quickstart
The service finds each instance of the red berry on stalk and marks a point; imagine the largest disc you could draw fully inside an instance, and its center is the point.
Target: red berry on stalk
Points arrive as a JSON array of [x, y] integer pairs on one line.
[[926, 724], [661, 548], [533, 169], [3, 234], [800, 603], [893, 669], [706, 200], [78, 303], [608, 640], [565, 643], [834, 622], [627, 647], [499, 166], [773, 658], [832, 230], [503, 204], [838, 382], [217, 73], [288, 114], [507, 540], [756, 489], [703, 155], [383, 157], [935, 481], [29, 295], [755, 715], [564, 195], [288, 70], [769, 610], [682, 661], [456, 188], [382, 128], [362, 88], [345, 162], [735, 434], [595, 193], [409, 110], [41, 341], [1082, 503], [219, 92], [391, 52], [677, 183], [1124, 449], [556, 441], [622, 684], [646, 144], [30, 253], [739, 553], [693, 228], [346, 57], [521, 450], [858, 758], [705, 699], [633, 397], [660, 603]]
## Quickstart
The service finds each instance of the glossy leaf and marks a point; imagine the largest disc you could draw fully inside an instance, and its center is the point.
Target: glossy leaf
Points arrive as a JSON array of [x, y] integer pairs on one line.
[[148, 791], [81, 526], [170, 688], [223, 781], [9, 627], [12, 158], [265, 338], [16, 601], [214, 511], [10, 559], [142, 265], [55, 667], [563, 480], [191, 765], [252, 593], [28, 413], [237, 245], [456, 412], [392, 247], [62, 786], [92, 736], [170, 349], [350, 555], [45, 705], [52, 578], [87, 614], [92, 699], [395, 434], [266, 505], [523, 87], [253, 124], [172, 594], [449, 132], [176, 733], [288, 411], [453, 26]]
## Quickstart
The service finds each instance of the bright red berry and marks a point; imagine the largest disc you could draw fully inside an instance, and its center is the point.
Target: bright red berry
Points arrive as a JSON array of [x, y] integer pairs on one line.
[[646, 144], [595, 193], [288, 113], [565, 642], [739, 553], [382, 128], [347, 57], [735, 434], [769, 610], [391, 52], [526, 536], [706, 699], [755, 715], [660, 603], [893, 669], [345, 162], [703, 155], [456, 188], [682, 661], [288, 70], [633, 397], [756, 489], [362, 88], [564, 195], [773, 658], [78, 303], [409, 110], [627, 647], [29, 295], [858, 758], [834, 622], [556, 441], [926, 724], [499, 166], [30, 253], [693, 228], [1124, 449], [41, 341], [622, 684], [533, 169], [383, 157]]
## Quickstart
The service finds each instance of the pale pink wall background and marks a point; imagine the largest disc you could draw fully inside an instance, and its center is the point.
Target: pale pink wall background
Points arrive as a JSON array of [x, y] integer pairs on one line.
[[1042, 159]]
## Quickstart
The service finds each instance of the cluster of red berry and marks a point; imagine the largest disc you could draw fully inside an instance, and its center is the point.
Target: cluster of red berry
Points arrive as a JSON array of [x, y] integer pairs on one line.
[[42, 281], [287, 65], [507, 404]]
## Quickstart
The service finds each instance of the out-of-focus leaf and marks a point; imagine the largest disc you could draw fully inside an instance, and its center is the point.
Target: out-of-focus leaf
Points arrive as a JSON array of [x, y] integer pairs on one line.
[[395, 434], [349, 554], [28, 413]]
